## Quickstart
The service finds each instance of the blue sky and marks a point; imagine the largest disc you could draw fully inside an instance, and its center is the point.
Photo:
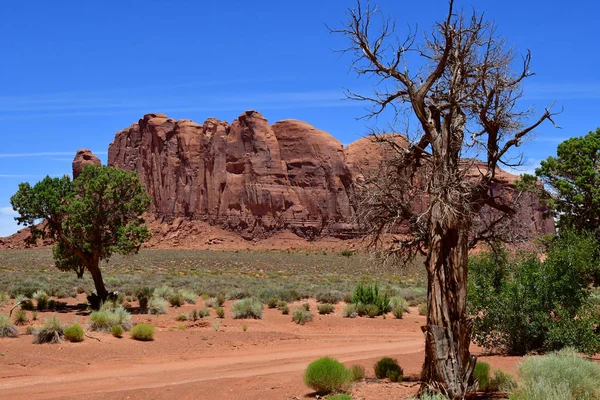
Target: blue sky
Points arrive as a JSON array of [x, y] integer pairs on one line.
[[75, 72]]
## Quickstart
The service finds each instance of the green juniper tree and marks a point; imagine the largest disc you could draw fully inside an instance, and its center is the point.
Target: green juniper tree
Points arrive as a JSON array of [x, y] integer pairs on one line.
[[89, 218]]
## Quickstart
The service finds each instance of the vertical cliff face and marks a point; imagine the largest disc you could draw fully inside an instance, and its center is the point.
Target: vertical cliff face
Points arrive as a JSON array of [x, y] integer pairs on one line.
[[255, 178], [248, 176]]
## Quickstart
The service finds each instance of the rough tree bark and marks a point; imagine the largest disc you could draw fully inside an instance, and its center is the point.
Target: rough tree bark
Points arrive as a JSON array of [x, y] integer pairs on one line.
[[463, 98]]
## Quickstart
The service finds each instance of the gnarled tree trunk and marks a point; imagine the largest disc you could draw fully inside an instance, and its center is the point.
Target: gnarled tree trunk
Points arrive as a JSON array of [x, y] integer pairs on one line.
[[448, 363]]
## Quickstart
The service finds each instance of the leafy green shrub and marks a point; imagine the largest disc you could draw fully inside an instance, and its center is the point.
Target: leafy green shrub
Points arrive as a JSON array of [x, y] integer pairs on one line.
[[357, 372], [220, 311], [389, 368], [142, 332], [398, 306], [366, 295], [176, 300], [20, 317], [330, 296], [327, 375], [349, 311], [325, 308], [482, 374], [41, 298], [563, 373], [247, 308], [144, 294], [523, 304], [50, 332], [157, 305], [117, 331], [74, 333], [6, 329], [301, 316]]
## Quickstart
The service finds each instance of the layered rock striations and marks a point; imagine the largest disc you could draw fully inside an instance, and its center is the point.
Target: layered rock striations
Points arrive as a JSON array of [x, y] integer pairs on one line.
[[255, 178]]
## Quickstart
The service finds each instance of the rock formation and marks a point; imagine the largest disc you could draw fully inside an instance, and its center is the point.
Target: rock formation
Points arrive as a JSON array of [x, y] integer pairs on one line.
[[255, 178], [82, 158]]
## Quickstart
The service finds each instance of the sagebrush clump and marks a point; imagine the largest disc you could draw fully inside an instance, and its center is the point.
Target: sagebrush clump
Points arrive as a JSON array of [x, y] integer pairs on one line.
[[325, 308], [327, 375], [157, 305], [248, 307], [107, 317], [301, 316]]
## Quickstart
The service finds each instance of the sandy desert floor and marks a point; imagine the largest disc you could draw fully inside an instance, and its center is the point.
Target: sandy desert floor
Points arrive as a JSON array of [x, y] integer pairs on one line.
[[213, 358]]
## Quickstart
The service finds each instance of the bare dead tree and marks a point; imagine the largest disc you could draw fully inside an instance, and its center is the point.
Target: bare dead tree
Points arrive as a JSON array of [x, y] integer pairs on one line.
[[464, 99]]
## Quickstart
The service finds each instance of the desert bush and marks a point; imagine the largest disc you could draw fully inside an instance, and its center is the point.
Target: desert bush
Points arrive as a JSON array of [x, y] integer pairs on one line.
[[482, 374], [325, 308], [502, 381], [388, 368], [214, 302], [50, 332], [357, 372], [4, 297], [371, 310], [117, 331], [157, 305], [413, 295], [238, 294], [306, 306], [26, 288], [74, 333], [285, 309], [20, 317], [220, 311], [301, 316], [183, 317], [398, 306], [163, 292], [188, 296], [144, 294], [216, 325], [272, 302], [327, 375], [340, 396], [523, 304], [27, 304], [329, 296], [41, 298], [369, 294], [560, 375], [142, 332], [247, 308], [176, 299], [430, 396], [6, 329], [346, 253], [106, 318], [349, 311], [422, 308]]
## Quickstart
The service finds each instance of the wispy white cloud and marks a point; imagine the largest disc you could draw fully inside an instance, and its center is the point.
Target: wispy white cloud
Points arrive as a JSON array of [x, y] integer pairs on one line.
[[8, 211], [44, 154]]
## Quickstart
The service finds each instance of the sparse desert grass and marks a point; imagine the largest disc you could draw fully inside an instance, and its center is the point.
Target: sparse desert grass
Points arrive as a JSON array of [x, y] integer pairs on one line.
[[20, 317], [42, 299], [74, 333], [4, 297], [358, 372], [6, 329], [220, 311], [157, 305], [482, 374], [422, 309], [350, 311], [143, 332], [215, 273], [247, 308], [106, 318], [327, 375]]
